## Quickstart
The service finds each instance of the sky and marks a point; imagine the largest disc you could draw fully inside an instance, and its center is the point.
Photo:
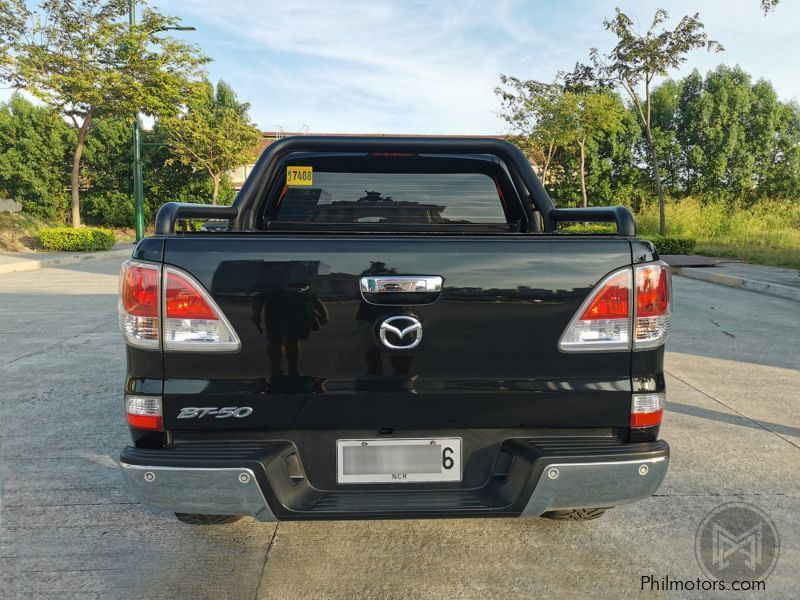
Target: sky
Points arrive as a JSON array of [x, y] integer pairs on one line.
[[376, 66]]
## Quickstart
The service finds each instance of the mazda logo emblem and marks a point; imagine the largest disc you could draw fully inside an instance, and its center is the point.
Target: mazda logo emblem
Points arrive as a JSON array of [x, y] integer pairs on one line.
[[402, 332]]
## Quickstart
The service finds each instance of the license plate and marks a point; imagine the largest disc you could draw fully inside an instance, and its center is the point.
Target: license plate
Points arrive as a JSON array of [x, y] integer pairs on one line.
[[398, 460]]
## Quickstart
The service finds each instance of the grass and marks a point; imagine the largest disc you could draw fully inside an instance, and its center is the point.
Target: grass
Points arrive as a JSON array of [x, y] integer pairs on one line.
[[765, 232], [18, 232]]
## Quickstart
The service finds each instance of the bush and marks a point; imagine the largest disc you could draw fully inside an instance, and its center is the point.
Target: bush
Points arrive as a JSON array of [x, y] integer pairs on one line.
[[588, 228], [67, 239], [671, 245]]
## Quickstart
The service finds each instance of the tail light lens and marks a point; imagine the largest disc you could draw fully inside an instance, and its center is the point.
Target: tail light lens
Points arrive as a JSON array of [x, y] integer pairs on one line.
[[144, 412], [138, 303], [164, 303], [619, 315], [647, 410], [653, 305], [192, 320], [603, 322]]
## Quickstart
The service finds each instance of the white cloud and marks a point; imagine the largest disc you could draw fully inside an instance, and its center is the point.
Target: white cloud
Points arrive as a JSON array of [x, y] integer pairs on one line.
[[430, 67]]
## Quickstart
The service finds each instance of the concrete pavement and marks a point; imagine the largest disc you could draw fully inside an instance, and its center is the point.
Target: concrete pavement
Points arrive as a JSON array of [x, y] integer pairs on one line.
[[11, 262], [68, 529], [770, 281]]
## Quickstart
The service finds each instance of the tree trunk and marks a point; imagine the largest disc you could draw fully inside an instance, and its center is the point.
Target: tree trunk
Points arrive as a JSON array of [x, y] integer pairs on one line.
[[215, 189], [662, 216], [75, 180], [583, 174]]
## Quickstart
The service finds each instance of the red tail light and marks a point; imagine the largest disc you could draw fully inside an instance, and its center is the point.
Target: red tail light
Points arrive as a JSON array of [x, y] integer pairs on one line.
[[653, 305], [606, 318], [647, 410], [140, 290], [652, 291], [144, 412], [612, 300], [138, 303], [192, 319], [603, 322], [184, 301]]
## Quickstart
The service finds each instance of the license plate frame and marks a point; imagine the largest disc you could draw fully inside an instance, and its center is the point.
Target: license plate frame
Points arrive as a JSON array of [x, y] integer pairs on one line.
[[449, 453]]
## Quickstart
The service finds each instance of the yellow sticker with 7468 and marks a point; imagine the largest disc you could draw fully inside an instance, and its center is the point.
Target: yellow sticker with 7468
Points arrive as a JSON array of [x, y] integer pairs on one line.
[[299, 176]]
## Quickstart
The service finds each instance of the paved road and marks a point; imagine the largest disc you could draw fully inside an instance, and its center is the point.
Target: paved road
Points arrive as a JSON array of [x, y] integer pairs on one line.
[[69, 529]]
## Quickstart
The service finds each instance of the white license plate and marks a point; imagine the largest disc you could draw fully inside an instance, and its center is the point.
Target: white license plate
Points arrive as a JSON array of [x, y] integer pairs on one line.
[[398, 460]]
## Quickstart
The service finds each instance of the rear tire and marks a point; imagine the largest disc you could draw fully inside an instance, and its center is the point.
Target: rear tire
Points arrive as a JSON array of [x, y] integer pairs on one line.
[[576, 514], [191, 519]]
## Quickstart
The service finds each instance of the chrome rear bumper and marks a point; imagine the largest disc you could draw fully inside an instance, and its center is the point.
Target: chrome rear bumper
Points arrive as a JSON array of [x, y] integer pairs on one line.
[[253, 480], [222, 491], [595, 484]]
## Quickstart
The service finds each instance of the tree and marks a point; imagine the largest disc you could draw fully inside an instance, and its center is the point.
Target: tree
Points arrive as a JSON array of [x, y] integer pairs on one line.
[[531, 108], [636, 60], [34, 156], [588, 115], [214, 135], [83, 58]]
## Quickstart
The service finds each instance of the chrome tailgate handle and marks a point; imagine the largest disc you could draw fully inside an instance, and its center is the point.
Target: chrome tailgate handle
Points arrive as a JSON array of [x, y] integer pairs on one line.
[[405, 284]]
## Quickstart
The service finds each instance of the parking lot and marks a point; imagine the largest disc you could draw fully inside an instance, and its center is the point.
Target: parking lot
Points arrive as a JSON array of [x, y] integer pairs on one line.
[[70, 530]]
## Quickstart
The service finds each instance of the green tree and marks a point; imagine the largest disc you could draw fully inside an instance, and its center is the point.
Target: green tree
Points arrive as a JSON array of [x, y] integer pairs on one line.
[[215, 134], [35, 145], [636, 60], [588, 115], [532, 110], [82, 58]]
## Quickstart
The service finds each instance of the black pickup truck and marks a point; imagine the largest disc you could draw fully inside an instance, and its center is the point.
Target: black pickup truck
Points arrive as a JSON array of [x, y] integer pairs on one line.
[[393, 327]]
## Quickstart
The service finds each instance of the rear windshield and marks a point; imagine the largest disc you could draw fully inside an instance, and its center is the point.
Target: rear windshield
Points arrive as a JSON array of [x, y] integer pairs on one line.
[[392, 199]]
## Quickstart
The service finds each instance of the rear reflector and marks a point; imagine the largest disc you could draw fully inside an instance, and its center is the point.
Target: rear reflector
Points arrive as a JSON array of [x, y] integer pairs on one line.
[[653, 305], [144, 412], [647, 410], [138, 303], [603, 322], [192, 320]]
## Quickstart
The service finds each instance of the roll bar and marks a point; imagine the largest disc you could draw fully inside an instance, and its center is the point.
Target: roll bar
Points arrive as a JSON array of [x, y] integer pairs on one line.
[[243, 215]]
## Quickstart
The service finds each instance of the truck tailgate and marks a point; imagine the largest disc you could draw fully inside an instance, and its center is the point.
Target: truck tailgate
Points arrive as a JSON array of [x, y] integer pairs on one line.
[[311, 358]]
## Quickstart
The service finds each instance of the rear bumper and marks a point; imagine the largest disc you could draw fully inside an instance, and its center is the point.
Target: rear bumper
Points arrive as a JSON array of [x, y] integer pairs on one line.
[[264, 481], [267, 481]]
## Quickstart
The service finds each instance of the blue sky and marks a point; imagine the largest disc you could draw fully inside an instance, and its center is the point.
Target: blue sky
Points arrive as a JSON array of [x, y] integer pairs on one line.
[[430, 67]]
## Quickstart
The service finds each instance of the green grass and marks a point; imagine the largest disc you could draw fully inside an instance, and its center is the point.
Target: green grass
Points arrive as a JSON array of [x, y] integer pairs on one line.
[[765, 232]]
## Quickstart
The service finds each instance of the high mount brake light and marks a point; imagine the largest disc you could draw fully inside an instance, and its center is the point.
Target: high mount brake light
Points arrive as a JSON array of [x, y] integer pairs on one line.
[[138, 303], [166, 305], [616, 308]]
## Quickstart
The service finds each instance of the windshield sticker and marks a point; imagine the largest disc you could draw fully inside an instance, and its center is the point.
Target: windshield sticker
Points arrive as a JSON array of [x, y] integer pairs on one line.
[[299, 176]]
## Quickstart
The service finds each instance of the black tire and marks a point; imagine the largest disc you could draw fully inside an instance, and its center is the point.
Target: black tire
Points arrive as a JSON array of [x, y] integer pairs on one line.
[[190, 519], [576, 514]]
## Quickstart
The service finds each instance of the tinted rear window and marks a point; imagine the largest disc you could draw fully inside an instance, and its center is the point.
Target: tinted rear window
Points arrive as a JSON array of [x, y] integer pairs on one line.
[[393, 198]]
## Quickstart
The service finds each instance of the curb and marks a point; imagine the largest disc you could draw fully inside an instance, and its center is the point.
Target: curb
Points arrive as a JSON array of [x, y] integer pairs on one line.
[[33, 265], [753, 285]]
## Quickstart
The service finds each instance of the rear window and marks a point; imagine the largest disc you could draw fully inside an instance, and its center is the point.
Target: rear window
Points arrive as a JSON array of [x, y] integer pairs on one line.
[[393, 199]]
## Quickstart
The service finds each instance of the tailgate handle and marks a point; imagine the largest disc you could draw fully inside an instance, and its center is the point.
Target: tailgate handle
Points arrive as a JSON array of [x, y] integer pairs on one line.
[[399, 290], [406, 284]]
